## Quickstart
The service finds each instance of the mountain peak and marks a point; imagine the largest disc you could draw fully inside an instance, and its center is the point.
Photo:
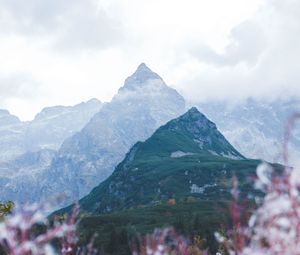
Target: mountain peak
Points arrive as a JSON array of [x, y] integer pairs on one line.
[[194, 112], [193, 115], [94, 101], [196, 126], [186, 148], [7, 118], [192, 120], [143, 67], [140, 77]]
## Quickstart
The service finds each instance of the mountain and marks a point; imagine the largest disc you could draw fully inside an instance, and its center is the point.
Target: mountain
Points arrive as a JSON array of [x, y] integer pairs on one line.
[[20, 177], [143, 104], [7, 119], [11, 136], [186, 157], [137, 80], [48, 130], [89, 156], [256, 127], [181, 176], [28, 148], [53, 125]]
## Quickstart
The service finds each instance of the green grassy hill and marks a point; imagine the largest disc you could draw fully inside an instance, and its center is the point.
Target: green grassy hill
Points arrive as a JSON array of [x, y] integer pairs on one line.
[[180, 176], [190, 218], [186, 157]]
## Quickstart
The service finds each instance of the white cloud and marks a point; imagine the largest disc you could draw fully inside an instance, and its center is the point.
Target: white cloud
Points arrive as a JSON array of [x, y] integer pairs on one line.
[[67, 23], [246, 44], [261, 61], [17, 85], [73, 50]]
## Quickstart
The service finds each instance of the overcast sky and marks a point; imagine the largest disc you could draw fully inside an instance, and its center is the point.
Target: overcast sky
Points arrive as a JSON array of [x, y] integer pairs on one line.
[[68, 51]]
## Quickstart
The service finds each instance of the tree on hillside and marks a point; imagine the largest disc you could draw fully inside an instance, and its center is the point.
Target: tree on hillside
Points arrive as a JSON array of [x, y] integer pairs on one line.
[[6, 208]]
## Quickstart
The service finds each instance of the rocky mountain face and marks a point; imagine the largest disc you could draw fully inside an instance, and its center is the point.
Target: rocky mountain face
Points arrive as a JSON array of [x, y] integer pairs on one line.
[[143, 104], [256, 128], [53, 125], [186, 157], [28, 148], [11, 136], [20, 177], [72, 149], [181, 176], [85, 159], [7, 119], [48, 130], [203, 132]]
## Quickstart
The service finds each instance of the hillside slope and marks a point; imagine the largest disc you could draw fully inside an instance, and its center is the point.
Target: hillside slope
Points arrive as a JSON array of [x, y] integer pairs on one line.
[[186, 157]]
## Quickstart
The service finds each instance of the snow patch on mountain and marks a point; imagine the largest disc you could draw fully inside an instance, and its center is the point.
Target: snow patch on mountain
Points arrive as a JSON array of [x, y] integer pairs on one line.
[[180, 154]]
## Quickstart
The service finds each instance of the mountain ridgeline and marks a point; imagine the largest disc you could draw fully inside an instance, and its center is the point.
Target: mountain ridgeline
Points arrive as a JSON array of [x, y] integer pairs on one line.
[[256, 127], [143, 104], [187, 157], [181, 176], [70, 150], [47, 130], [89, 155]]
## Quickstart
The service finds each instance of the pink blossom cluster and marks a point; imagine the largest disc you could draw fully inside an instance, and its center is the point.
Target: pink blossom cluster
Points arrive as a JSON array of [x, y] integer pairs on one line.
[[162, 242], [274, 228], [18, 233]]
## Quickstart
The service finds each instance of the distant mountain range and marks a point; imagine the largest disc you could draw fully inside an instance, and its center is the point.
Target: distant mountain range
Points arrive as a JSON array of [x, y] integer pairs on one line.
[[48, 130], [143, 104], [256, 128], [180, 176], [187, 157], [73, 149], [85, 159]]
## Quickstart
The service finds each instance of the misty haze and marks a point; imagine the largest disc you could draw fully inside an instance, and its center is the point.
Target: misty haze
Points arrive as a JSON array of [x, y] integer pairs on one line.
[[149, 127]]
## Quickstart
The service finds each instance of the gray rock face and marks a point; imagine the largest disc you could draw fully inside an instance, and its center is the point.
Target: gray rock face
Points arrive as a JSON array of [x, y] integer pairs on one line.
[[28, 148], [85, 159], [142, 74], [19, 177], [204, 133], [143, 104], [11, 136], [147, 167], [256, 127], [48, 130], [7, 119], [53, 125]]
